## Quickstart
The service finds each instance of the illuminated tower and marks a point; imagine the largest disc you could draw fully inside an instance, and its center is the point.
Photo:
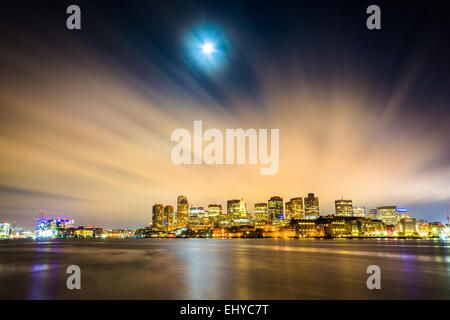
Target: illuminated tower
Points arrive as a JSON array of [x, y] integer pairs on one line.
[[261, 213], [158, 216], [236, 209], [311, 206], [214, 210], [182, 212], [359, 212], [389, 215], [344, 208], [372, 214], [169, 218], [294, 209], [275, 205]]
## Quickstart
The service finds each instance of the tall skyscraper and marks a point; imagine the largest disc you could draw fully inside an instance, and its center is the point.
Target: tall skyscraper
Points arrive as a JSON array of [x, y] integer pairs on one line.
[[311, 207], [158, 216], [261, 213], [169, 218], [182, 215], [297, 208], [214, 210], [359, 212], [372, 214], [237, 209], [275, 206], [389, 215], [196, 211], [344, 208]]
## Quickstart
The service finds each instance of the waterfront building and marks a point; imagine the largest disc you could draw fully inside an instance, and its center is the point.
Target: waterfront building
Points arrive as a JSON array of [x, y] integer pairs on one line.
[[158, 216], [359, 212], [53, 228], [275, 207], [389, 215], [5, 229], [311, 207], [408, 226], [169, 218], [372, 214], [261, 213], [304, 228], [343, 208], [182, 214]]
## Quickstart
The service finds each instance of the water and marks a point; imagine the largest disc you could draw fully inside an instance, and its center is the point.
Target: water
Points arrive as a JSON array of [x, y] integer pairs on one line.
[[225, 269]]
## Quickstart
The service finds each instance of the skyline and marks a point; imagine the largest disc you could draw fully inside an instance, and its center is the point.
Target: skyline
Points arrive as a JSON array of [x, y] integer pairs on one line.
[[251, 210], [86, 116]]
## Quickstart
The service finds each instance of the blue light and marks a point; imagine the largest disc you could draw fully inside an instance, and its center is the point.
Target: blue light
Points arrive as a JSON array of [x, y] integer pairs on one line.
[[402, 210], [207, 47]]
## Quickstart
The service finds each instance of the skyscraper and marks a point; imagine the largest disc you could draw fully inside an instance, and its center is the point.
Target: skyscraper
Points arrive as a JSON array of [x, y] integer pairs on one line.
[[214, 210], [169, 217], [359, 212], [236, 209], [311, 206], [344, 208], [297, 208], [389, 215], [196, 211], [261, 213], [372, 214], [158, 216], [275, 205], [182, 215]]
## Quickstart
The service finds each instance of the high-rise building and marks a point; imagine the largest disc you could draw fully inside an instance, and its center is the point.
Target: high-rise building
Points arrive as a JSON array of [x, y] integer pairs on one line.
[[344, 208], [214, 210], [403, 213], [158, 216], [169, 218], [372, 214], [182, 214], [359, 212], [311, 207], [237, 209], [389, 215], [294, 209], [196, 211], [408, 226], [4, 230], [275, 206], [261, 213]]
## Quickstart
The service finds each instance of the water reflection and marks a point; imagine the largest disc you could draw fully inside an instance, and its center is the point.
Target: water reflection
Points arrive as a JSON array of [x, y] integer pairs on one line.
[[224, 269]]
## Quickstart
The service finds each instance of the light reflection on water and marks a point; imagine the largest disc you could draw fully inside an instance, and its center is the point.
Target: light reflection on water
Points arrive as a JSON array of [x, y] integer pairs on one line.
[[224, 269]]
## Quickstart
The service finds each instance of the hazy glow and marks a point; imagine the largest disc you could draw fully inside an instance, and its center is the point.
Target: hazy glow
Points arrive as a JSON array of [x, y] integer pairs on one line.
[[91, 142]]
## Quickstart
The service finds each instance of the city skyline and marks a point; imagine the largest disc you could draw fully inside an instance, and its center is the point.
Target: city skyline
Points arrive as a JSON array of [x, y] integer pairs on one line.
[[87, 115]]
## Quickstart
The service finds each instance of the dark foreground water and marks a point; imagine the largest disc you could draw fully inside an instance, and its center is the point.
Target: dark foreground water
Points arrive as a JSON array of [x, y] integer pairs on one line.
[[225, 269]]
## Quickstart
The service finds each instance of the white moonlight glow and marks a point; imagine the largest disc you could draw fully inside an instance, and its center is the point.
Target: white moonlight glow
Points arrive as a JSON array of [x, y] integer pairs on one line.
[[208, 48]]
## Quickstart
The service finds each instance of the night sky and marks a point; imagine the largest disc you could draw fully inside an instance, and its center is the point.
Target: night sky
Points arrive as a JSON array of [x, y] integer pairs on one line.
[[86, 115]]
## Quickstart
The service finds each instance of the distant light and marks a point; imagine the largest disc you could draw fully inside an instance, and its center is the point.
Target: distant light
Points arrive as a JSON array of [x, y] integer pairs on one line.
[[208, 48]]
